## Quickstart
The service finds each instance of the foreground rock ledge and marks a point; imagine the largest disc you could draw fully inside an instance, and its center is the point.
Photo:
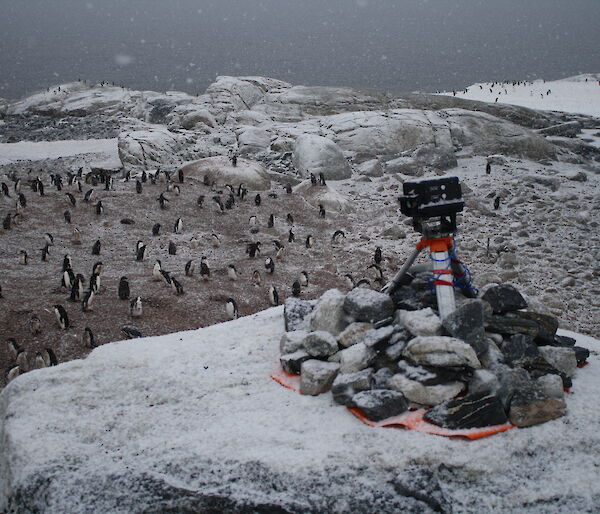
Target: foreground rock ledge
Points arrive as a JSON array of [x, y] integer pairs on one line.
[[191, 422]]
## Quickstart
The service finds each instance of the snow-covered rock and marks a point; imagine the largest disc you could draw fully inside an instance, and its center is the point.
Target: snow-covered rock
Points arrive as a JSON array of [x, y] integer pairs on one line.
[[329, 313], [425, 394], [220, 170], [149, 148], [316, 155], [326, 195], [441, 351]]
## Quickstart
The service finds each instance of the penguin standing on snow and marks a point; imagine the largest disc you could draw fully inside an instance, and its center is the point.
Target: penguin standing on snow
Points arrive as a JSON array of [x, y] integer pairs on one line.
[[13, 372], [123, 288], [99, 207], [177, 287], [87, 338], [290, 219], [231, 308], [96, 247], [88, 195], [67, 216], [273, 296], [269, 265], [256, 278], [141, 253], [40, 187], [496, 203], [88, 298], [215, 241], [377, 255], [35, 325], [303, 279], [162, 201], [68, 279], [322, 179], [5, 191], [156, 229], [200, 201], [291, 236], [296, 288], [231, 272], [97, 268], [253, 249], [257, 199], [156, 271], [49, 357], [23, 258], [135, 307], [61, 316], [178, 227], [310, 241], [271, 221], [76, 236], [49, 239], [71, 199], [279, 249], [172, 248], [338, 235], [45, 253], [95, 283], [138, 187], [190, 266], [204, 269]]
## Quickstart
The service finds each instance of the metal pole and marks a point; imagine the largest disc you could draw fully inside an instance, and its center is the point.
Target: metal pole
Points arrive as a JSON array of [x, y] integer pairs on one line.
[[391, 286]]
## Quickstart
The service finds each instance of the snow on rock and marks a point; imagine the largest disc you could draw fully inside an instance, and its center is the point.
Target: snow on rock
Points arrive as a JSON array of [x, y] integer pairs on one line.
[[192, 421], [423, 322], [220, 170], [424, 394], [324, 195], [316, 154], [441, 351], [253, 140], [37, 151], [151, 147]]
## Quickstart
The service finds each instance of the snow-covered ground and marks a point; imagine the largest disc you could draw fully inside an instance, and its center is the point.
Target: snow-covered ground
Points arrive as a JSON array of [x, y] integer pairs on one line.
[[573, 94], [196, 415], [37, 151]]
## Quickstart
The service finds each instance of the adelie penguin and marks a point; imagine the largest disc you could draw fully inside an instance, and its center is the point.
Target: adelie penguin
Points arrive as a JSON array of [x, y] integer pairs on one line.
[[377, 255], [23, 258], [131, 332], [49, 357], [12, 373], [68, 279], [313, 179], [256, 278], [162, 201], [88, 195], [215, 241], [257, 200], [61, 317], [76, 236], [88, 298], [180, 176], [138, 187], [290, 219], [176, 190], [45, 253], [96, 247], [135, 307], [296, 290], [172, 248], [269, 265], [141, 253], [200, 201], [156, 229], [303, 278], [166, 276], [273, 296], [71, 199], [253, 249], [67, 216], [178, 227], [310, 241], [231, 308], [35, 325], [338, 235], [291, 236], [97, 268], [232, 272], [40, 187], [177, 287], [5, 191], [13, 347], [321, 210], [77, 288], [87, 338], [156, 271], [22, 201], [99, 207], [279, 249], [190, 266], [123, 288], [22, 360], [204, 269], [496, 203], [49, 239], [322, 179], [271, 221], [95, 283]]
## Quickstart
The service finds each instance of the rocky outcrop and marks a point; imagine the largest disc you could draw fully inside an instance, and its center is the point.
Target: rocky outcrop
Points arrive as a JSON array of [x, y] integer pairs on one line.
[[319, 155], [149, 148], [220, 171]]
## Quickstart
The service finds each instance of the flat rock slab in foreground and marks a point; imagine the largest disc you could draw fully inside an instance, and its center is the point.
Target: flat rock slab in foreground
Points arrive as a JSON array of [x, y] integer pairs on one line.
[[192, 422]]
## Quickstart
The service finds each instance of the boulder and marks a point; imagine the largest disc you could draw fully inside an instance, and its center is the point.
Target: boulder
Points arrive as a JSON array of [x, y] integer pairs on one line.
[[253, 140], [329, 313], [441, 351], [472, 411], [317, 154], [568, 129], [355, 358], [379, 404], [190, 116], [378, 337], [466, 323], [220, 171], [512, 324], [370, 168], [504, 298], [483, 381], [317, 376], [326, 195], [368, 306], [346, 385], [551, 386], [353, 333], [296, 313], [320, 344], [532, 406], [423, 322], [381, 378], [156, 146], [292, 362], [548, 325], [563, 359], [422, 394], [292, 341]]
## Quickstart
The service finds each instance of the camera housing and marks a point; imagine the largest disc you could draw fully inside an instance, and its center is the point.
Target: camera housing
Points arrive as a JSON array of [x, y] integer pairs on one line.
[[426, 199]]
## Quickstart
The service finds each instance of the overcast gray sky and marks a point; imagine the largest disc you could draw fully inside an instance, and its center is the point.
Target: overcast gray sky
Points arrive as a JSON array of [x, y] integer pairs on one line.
[[389, 44]]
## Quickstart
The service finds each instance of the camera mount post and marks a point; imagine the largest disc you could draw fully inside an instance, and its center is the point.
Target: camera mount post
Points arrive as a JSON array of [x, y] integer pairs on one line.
[[433, 205]]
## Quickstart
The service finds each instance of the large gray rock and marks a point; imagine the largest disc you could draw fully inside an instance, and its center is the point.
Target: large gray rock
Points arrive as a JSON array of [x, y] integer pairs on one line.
[[355, 358], [504, 298], [329, 313], [292, 341], [296, 313], [466, 323], [532, 406], [292, 362], [149, 148], [326, 195], [368, 306], [253, 140], [317, 376], [353, 333], [346, 385], [472, 411], [220, 170], [379, 404], [563, 359], [424, 394], [423, 322], [320, 344], [441, 351], [317, 154]]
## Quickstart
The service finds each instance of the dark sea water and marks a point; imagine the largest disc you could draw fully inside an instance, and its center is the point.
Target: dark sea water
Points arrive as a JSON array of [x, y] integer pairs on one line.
[[400, 45]]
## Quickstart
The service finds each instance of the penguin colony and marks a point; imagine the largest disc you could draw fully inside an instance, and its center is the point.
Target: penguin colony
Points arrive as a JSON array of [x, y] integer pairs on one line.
[[177, 261]]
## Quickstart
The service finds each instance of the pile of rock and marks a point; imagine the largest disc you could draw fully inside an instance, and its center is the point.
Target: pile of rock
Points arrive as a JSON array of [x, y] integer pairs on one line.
[[492, 361]]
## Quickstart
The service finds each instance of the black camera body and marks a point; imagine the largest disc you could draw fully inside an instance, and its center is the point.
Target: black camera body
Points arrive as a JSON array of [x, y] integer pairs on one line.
[[429, 198]]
